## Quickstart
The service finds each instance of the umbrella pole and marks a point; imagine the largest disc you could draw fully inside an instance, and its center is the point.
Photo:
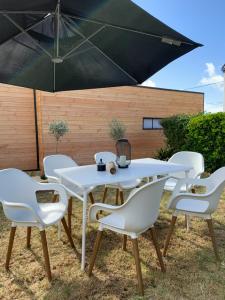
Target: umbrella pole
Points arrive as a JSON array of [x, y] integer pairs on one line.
[[57, 28], [36, 128]]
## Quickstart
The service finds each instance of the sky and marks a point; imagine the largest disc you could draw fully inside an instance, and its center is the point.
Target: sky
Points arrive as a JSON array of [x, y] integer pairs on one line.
[[203, 21]]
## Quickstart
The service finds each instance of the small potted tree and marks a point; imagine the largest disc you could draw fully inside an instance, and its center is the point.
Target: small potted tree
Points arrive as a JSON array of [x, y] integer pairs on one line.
[[123, 147], [58, 129], [117, 130]]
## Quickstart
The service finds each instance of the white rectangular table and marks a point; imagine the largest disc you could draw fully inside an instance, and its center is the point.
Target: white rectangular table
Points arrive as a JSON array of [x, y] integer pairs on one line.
[[87, 176]]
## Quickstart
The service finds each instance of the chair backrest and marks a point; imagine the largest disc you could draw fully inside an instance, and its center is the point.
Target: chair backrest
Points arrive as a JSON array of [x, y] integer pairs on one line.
[[218, 176], [105, 156], [57, 161], [216, 181], [141, 209], [189, 158], [17, 187]]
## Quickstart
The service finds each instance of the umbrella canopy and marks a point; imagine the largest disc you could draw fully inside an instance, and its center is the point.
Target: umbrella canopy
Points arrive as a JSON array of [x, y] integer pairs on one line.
[[78, 44]]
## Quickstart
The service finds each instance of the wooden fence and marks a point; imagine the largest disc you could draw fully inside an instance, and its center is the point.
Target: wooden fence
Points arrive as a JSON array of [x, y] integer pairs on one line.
[[17, 128], [88, 114]]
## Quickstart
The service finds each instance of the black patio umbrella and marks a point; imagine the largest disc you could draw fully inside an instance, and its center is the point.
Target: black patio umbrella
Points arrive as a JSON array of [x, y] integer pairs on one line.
[[78, 44]]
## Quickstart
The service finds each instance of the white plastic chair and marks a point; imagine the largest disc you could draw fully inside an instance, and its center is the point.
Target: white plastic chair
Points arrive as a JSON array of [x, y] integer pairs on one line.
[[134, 217], [198, 205], [20, 205], [121, 186], [193, 159], [59, 161]]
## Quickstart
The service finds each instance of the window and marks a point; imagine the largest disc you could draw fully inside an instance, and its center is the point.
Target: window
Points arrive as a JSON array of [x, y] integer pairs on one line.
[[151, 123]]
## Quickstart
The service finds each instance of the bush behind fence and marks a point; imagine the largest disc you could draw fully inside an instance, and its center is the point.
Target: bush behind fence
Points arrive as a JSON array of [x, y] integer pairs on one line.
[[204, 133]]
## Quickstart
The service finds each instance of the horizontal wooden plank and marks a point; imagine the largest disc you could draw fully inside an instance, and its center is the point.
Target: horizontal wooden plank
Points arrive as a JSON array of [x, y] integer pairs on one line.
[[88, 113]]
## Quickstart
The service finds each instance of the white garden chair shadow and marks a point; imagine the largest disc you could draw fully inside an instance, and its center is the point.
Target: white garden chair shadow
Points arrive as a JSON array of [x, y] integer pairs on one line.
[[134, 217], [197, 205], [20, 205], [59, 161], [120, 186]]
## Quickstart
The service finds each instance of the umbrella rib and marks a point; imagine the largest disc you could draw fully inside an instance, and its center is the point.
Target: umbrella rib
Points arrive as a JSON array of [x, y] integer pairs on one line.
[[27, 34], [126, 29], [24, 45], [80, 52], [27, 29], [114, 63], [105, 55], [30, 12], [86, 39]]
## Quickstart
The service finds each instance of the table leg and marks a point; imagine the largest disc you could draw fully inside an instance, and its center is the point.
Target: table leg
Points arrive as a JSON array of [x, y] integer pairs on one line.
[[85, 196], [154, 178], [187, 218]]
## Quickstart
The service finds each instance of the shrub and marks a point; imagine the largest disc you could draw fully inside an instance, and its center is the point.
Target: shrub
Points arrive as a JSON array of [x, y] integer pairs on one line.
[[206, 134], [175, 131], [58, 129], [117, 129], [164, 153]]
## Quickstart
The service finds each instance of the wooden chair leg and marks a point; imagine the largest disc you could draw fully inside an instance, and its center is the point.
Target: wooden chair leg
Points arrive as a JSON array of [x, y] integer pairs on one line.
[[121, 197], [91, 198], [188, 222], [212, 235], [55, 198], [117, 196], [46, 255], [68, 234], [104, 195], [95, 251], [70, 209], [10, 246], [28, 237], [173, 221], [138, 266], [158, 252], [124, 242]]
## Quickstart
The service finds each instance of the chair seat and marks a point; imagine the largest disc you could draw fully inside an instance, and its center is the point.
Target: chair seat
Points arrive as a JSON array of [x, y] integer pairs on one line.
[[130, 184], [50, 213], [125, 185], [113, 220], [192, 205], [171, 183]]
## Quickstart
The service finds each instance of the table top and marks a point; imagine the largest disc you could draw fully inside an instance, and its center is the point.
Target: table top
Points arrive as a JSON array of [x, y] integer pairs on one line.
[[87, 176]]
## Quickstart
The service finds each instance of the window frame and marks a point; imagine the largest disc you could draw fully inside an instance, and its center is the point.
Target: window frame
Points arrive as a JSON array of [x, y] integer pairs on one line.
[[150, 118]]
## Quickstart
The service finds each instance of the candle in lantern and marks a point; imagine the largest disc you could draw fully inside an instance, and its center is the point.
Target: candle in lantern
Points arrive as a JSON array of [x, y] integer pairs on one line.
[[123, 160]]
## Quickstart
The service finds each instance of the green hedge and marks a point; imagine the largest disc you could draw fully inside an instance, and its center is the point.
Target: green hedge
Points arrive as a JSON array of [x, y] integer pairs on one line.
[[204, 133], [175, 130]]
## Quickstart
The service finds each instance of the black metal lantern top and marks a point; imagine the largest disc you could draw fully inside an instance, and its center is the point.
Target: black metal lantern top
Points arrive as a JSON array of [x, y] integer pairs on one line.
[[123, 149]]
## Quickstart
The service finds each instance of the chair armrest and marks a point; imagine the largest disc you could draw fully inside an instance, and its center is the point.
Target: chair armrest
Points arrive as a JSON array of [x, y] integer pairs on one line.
[[189, 182], [174, 200], [53, 179], [24, 206], [95, 208], [59, 188]]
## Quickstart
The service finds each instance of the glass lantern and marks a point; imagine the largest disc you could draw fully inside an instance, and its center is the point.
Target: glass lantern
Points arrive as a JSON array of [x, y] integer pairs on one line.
[[123, 149]]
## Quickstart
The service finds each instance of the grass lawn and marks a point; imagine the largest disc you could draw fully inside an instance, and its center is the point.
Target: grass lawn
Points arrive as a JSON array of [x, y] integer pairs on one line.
[[192, 271]]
